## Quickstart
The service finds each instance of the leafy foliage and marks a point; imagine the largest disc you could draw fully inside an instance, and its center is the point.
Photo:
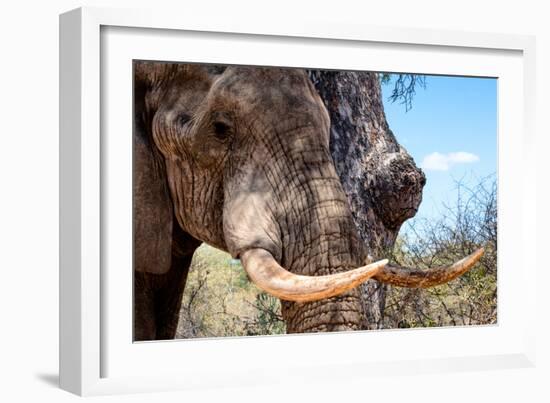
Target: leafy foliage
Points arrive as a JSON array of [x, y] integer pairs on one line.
[[404, 87]]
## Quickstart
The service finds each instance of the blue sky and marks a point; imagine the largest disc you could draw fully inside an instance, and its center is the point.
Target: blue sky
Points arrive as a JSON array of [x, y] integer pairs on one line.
[[451, 132]]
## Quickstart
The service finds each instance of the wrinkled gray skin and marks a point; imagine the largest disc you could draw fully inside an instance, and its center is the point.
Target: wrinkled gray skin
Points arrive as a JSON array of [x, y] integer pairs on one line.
[[239, 160]]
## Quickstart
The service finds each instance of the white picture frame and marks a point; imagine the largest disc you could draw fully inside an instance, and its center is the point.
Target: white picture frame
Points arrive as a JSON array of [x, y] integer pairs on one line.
[[97, 357]]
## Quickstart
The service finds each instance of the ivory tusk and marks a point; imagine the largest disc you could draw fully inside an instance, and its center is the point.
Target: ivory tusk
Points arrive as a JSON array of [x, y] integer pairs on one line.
[[416, 278], [266, 273]]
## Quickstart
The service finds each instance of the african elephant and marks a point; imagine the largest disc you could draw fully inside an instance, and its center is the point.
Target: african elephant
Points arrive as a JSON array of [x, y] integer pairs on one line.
[[240, 160]]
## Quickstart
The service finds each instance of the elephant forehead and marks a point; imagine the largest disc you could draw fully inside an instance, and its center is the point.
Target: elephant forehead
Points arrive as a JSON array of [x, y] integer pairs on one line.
[[245, 81]]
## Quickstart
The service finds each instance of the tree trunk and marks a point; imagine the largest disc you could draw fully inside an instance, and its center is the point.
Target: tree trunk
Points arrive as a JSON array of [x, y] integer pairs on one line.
[[381, 180]]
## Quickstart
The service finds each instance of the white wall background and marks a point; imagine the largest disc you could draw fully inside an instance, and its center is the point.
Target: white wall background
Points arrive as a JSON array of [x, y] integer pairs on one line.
[[29, 197]]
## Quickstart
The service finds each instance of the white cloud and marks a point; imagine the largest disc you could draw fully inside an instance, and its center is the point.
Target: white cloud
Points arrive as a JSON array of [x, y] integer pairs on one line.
[[442, 162]]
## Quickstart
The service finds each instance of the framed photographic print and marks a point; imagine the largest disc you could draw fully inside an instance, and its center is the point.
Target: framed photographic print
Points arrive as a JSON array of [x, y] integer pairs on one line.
[[237, 195]]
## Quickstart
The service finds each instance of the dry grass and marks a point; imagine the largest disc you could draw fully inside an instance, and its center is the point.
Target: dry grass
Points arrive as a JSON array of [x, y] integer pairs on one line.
[[219, 300]]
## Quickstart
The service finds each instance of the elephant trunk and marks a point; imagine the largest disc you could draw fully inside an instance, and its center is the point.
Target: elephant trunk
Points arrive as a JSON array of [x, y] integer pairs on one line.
[[286, 216]]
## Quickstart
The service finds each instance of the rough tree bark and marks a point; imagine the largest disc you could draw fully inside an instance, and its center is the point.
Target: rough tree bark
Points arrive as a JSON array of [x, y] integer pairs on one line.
[[381, 180]]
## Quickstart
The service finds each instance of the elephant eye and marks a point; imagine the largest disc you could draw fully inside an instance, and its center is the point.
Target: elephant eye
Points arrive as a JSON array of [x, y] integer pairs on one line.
[[221, 130], [183, 119]]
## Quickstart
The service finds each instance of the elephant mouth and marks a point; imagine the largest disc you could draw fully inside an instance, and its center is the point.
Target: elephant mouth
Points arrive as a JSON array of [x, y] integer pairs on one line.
[[269, 275]]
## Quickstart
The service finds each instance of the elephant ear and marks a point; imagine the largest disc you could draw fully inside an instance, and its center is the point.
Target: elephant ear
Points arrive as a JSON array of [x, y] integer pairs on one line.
[[152, 206]]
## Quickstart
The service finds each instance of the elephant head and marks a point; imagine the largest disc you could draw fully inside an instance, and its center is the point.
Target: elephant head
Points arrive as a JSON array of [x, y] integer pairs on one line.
[[245, 165]]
